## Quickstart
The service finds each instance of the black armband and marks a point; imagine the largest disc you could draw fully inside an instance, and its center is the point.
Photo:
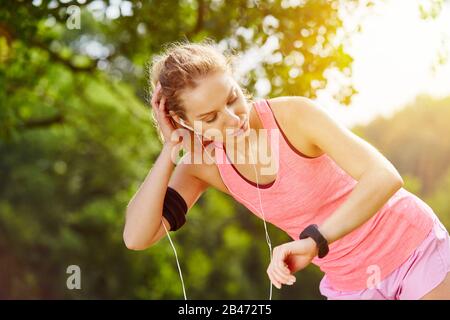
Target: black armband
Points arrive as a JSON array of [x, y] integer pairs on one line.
[[174, 209]]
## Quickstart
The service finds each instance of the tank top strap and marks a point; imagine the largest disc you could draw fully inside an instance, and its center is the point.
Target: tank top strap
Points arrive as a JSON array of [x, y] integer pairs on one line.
[[265, 114]]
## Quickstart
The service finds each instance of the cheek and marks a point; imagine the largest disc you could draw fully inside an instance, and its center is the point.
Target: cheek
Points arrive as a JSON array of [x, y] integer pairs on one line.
[[214, 131]]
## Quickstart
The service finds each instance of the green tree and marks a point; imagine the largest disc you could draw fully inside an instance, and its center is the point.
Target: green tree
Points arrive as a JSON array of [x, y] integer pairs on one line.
[[76, 142]]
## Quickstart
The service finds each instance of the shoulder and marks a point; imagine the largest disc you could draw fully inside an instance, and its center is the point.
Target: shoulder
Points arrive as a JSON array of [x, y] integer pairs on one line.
[[293, 106], [303, 113], [295, 117]]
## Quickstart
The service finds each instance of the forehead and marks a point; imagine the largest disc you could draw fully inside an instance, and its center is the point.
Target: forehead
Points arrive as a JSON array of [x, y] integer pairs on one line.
[[211, 92]]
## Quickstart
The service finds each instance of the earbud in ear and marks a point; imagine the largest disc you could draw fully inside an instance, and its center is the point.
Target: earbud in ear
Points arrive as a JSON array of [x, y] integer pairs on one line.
[[185, 125]]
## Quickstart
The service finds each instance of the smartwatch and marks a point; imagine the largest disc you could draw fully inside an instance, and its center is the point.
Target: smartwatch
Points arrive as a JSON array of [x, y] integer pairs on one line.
[[312, 231]]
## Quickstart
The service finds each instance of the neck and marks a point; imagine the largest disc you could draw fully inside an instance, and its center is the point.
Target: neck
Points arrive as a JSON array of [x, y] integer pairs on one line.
[[242, 151]]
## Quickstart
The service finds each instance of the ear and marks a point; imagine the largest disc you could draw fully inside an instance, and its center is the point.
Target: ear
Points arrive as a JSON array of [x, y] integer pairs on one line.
[[175, 119], [173, 115]]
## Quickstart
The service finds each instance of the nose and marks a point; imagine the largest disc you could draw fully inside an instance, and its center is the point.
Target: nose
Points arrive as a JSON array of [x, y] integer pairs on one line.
[[233, 119]]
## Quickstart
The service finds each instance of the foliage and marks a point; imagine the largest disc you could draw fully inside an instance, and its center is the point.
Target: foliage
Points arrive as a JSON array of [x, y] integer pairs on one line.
[[76, 142]]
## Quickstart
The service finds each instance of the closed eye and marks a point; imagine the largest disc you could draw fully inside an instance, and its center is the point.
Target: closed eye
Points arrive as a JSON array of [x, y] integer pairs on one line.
[[215, 116], [213, 119]]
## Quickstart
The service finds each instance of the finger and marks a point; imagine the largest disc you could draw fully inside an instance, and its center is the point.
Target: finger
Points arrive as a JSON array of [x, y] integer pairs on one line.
[[162, 102], [279, 277], [286, 276], [155, 105], [276, 256], [278, 261], [155, 96], [282, 277], [286, 269], [279, 258], [274, 281]]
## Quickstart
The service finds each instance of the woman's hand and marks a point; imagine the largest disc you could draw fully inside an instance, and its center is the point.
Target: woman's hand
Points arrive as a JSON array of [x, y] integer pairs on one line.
[[171, 132], [289, 258], [162, 116]]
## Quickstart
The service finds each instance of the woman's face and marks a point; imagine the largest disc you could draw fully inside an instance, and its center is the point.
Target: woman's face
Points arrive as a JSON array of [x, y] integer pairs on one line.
[[217, 108]]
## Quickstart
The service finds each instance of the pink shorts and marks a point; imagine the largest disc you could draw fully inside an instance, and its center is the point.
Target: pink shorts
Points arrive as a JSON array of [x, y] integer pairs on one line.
[[424, 270]]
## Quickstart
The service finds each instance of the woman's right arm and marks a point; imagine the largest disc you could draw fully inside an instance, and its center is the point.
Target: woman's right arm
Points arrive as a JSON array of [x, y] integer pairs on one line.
[[143, 225], [144, 219]]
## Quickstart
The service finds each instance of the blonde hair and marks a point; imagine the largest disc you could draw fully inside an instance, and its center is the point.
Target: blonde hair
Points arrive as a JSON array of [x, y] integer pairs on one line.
[[181, 65]]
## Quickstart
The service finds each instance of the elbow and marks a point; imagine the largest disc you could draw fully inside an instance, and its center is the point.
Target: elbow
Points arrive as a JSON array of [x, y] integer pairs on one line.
[[129, 238], [396, 179], [387, 178], [128, 242], [131, 243], [136, 248]]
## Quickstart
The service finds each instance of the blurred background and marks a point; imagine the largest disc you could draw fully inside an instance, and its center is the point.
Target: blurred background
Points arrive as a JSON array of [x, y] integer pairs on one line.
[[76, 139]]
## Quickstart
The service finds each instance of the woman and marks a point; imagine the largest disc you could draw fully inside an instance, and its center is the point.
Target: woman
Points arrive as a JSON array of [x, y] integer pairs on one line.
[[338, 198]]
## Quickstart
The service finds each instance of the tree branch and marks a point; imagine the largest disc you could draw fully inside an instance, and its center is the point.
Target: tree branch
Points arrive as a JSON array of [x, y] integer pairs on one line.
[[57, 58], [201, 11], [43, 122]]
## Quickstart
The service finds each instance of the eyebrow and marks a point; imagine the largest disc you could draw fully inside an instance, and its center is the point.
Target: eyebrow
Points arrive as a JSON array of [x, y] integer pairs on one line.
[[228, 97]]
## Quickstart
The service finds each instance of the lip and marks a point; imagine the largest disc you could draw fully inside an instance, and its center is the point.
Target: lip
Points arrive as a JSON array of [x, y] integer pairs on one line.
[[242, 129], [244, 126]]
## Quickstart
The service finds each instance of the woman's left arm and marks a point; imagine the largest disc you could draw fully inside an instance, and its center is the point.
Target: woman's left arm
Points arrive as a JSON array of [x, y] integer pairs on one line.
[[378, 180]]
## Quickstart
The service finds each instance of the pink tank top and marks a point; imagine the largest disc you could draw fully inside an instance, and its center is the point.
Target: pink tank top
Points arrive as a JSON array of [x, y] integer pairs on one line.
[[308, 190]]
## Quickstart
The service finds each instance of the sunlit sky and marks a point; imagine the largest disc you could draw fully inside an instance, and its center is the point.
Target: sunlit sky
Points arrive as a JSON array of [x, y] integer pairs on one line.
[[393, 58]]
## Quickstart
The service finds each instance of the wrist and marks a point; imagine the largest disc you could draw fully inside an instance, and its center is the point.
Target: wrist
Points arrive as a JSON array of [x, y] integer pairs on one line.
[[169, 151], [314, 234], [312, 245], [170, 144]]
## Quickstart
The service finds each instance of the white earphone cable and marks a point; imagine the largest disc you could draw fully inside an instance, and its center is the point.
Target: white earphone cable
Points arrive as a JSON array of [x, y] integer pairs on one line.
[[269, 243], [178, 264]]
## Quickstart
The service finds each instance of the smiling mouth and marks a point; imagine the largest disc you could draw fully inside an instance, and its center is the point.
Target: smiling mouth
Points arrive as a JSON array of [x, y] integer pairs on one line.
[[241, 130]]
